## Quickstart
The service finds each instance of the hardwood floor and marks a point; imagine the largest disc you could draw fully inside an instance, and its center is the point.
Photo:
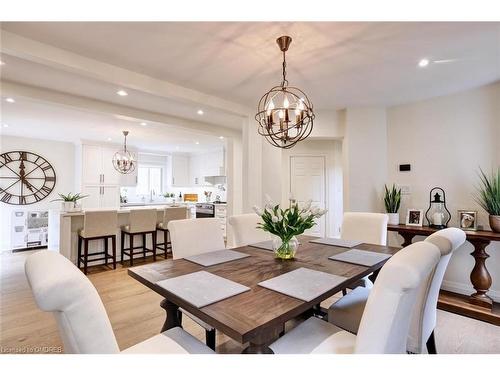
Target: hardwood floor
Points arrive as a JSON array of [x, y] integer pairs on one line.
[[135, 315]]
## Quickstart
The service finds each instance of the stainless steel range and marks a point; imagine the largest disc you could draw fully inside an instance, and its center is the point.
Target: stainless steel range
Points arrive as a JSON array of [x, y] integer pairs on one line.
[[205, 210]]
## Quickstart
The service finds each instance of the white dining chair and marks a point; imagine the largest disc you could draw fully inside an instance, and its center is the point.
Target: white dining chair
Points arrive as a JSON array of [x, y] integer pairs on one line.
[[367, 227], [346, 313], [192, 237], [386, 318], [59, 287], [245, 231]]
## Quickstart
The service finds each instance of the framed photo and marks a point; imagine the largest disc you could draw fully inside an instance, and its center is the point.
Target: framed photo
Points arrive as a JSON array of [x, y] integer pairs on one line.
[[415, 217], [467, 220]]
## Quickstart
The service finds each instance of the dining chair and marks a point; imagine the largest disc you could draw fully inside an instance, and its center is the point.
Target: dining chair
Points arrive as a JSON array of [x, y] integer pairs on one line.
[[169, 214], [97, 225], [141, 223], [346, 313], [367, 227], [192, 237], [386, 319], [245, 231], [83, 323]]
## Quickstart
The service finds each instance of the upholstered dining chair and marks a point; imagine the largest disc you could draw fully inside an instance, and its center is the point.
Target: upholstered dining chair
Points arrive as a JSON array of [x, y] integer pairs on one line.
[[346, 313], [386, 319], [169, 214], [59, 287], [192, 237], [245, 231], [367, 227]]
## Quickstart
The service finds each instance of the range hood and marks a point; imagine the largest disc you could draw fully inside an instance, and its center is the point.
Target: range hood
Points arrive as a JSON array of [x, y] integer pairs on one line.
[[216, 180]]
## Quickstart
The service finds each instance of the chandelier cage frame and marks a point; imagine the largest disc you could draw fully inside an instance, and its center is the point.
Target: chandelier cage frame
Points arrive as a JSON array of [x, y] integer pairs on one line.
[[274, 122], [124, 155]]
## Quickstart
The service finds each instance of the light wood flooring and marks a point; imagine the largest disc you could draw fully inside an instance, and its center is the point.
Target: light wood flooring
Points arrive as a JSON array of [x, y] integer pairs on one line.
[[135, 315]]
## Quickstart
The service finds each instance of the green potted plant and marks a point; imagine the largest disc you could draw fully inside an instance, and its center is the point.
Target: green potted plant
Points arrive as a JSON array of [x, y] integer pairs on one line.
[[489, 197], [392, 201], [69, 201], [287, 223]]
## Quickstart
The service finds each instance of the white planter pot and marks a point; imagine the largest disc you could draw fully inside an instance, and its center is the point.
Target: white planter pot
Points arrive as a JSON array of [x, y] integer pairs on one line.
[[393, 219], [67, 206]]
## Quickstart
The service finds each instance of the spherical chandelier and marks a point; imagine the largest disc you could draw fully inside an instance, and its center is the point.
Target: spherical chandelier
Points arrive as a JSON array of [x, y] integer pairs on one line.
[[285, 114], [123, 160]]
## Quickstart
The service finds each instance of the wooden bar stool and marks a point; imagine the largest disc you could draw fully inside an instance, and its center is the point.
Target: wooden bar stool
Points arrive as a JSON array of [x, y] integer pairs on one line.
[[142, 222], [169, 214], [98, 225]]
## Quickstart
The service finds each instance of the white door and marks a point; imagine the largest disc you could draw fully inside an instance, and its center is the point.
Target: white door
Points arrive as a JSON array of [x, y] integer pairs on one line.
[[92, 165], [307, 181]]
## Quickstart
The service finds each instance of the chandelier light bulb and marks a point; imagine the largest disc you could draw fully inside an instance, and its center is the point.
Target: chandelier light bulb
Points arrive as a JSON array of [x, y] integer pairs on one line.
[[286, 103], [270, 107]]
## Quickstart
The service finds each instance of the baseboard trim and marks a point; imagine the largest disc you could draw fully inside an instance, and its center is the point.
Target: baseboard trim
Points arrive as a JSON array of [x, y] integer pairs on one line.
[[467, 289]]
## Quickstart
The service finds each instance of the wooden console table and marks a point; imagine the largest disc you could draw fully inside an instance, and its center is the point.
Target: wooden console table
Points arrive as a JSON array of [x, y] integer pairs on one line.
[[479, 277]]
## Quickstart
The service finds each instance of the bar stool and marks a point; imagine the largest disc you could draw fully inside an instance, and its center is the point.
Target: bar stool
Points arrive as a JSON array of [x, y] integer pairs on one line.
[[98, 225], [169, 214], [142, 222]]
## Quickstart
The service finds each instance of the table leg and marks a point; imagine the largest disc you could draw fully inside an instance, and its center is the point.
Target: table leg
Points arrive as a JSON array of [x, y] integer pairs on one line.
[[257, 349], [480, 277], [407, 238], [172, 320], [259, 344]]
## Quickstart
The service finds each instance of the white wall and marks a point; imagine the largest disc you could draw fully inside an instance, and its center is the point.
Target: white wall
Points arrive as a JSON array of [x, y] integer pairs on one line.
[[446, 140], [62, 157]]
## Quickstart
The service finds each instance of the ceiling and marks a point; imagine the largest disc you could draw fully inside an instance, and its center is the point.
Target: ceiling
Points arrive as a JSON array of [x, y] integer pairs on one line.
[[338, 64], [49, 121]]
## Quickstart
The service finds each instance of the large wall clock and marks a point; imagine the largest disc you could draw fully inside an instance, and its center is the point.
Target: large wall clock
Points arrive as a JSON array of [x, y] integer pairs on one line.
[[25, 178]]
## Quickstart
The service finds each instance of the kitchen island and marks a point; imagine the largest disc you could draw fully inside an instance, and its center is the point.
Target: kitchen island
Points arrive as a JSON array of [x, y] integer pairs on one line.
[[64, 227]]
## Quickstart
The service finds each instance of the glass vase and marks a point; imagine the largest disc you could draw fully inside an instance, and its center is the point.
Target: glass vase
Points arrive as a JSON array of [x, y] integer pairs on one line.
[[285, 249]]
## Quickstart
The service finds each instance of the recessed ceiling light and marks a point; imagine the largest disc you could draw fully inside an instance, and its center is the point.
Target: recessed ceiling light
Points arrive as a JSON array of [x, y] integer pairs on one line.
[[1, 62], [122, 93], [197, 143], [143, 124], [200, 112], [423, 63], [10, 100], [109, 139], [221, 137], [5, 125]]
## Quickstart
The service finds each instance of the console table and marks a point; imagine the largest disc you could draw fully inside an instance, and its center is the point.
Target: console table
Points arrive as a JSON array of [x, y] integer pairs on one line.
[[479, 277]]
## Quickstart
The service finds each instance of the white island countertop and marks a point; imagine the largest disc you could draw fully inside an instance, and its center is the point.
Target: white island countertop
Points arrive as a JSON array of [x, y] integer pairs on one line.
[[122, 210]]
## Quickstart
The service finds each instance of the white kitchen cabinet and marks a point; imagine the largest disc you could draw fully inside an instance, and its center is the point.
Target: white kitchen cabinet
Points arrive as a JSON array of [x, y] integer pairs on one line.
[[221, 214], [180, 170], [110, 176], [110, 196], [100, 196], [130, 179], [93, 199], [97, 166], [196, 170]]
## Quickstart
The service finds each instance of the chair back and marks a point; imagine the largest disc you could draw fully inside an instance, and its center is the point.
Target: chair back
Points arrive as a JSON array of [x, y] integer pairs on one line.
[[100, 223], [424, 314], [195, 236], [174, 213], [245, 231], [365, 226], [386, 319], [142, 220], [61, 288]]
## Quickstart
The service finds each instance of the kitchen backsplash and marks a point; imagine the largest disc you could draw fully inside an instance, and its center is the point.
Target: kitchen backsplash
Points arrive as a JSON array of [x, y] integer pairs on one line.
[[132, 197]]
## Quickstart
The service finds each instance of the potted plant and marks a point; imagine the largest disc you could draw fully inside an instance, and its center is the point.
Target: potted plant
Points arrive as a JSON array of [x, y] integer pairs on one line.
[[392, 201], [489, 197], [285, 224], [69, 201]]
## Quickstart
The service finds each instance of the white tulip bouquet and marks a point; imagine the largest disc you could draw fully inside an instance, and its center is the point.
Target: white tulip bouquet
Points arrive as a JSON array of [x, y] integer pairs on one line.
[[287, 223]]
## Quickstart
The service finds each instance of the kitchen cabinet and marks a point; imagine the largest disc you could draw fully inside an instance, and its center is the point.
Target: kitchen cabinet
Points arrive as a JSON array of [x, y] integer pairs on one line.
[[180, 170], [100, 196], [130, 179], [221, 214]]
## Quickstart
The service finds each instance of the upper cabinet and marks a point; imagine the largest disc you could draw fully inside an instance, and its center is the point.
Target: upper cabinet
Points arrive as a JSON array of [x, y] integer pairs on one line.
[[97, 166], [180, 170]]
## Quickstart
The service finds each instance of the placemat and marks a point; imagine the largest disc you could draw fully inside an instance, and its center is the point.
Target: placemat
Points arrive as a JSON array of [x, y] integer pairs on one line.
[[202, 288], [360, 257], [337, 242], [303, 283], [216, 257], [265, 245]]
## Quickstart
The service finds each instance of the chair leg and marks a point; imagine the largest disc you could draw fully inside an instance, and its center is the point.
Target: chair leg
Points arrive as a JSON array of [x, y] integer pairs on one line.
[[144, 246], [168, 244], [431, 344], [131, 240], [153, 235], [210, 338], [344, 292], [106, 250], [85, 254], [78, 261], [113, 245], [122, 246]]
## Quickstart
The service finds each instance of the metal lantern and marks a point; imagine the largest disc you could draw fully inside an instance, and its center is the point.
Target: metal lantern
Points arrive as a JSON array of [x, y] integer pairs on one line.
[[123, 160], [285, 114], [437, 214]]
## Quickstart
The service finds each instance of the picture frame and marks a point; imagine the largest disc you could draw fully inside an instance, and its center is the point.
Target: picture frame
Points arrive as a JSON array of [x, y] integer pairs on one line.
[[414, 217], [467, 220]]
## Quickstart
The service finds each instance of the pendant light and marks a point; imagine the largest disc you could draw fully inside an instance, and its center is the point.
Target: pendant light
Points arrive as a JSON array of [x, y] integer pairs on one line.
[[123, 160], [285, 114]]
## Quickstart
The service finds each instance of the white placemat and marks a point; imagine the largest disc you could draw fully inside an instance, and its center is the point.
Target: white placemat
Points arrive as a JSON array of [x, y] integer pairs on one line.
[[202, 288], [216, 257], [303, 283], [265, 245], [337, 242], [360, 257]]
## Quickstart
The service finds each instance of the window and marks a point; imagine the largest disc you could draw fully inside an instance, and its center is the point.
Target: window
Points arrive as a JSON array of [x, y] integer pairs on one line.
[[149, 178]]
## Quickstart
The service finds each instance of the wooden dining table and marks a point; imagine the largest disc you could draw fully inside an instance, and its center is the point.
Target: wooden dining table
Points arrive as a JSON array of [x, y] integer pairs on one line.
[[257, 316]]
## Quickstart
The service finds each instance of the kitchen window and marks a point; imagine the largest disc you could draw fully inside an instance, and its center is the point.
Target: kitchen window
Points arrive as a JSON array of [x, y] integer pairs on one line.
[[149, 179]]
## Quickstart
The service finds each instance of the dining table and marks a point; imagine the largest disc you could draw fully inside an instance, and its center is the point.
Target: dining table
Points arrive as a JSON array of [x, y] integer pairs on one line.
[[257, 316]]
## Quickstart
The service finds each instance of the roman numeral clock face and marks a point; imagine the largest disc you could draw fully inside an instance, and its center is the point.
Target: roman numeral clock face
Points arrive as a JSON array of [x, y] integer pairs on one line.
[[25, 178]]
